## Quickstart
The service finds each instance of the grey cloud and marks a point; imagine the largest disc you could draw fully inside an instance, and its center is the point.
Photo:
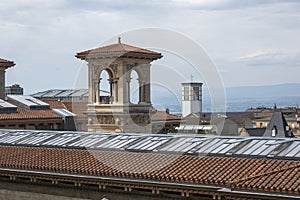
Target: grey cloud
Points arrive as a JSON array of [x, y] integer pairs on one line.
[[126, 5], [271, 58], [44, 38], [229, 4]]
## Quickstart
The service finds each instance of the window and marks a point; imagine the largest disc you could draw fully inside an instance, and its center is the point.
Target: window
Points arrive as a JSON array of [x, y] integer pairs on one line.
[[22, 126], [274, 131], [196, 93], [186, 93]]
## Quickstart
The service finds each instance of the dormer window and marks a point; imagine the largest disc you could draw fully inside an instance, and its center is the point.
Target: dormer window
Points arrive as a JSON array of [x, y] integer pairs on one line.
[[274, 131]]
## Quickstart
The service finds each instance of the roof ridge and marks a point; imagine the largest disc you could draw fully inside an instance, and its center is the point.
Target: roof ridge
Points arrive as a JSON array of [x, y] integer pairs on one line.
[[122, 45], [135, 47]]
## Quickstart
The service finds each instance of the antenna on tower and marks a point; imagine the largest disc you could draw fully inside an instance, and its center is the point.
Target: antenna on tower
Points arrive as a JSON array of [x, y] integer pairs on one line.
[[192, 78]]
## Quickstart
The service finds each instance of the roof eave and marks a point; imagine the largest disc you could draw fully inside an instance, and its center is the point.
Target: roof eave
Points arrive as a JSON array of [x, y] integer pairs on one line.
[[7, 64], [116, 55]]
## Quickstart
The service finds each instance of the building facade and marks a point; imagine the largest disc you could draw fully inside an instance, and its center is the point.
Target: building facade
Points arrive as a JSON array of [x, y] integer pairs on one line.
[[15, 89]]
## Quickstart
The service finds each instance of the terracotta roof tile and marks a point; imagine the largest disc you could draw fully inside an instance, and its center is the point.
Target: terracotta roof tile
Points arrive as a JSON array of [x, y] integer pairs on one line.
[[25, 114], [117, 50], [55, 104], [164, 116], [76, 107], [6, 63], [266, 175], [80, 107], [277, 180]]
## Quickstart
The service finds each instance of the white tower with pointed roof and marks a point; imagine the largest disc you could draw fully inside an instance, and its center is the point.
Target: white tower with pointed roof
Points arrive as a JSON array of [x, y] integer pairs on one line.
[[191, 98]]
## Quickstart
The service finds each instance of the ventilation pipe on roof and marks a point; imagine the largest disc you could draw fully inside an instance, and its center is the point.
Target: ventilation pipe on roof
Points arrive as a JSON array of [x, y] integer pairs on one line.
[[68, 118]]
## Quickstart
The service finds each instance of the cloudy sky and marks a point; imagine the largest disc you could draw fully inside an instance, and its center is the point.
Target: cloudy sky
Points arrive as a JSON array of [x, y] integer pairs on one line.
[[252, 42]]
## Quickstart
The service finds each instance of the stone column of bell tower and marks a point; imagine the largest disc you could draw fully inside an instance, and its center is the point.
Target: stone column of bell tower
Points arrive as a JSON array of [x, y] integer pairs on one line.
[[4, 64], [119, 114]]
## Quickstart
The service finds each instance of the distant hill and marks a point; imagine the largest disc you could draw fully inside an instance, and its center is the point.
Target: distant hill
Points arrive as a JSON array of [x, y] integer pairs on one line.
[[282, 90], [238, 98]]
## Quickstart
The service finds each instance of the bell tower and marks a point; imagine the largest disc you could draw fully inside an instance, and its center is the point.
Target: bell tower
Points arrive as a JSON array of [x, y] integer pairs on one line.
[[191, 98], [117, 113]]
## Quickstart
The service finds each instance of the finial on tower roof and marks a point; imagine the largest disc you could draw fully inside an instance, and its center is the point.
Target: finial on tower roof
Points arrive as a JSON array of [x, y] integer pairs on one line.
[[119, 40]]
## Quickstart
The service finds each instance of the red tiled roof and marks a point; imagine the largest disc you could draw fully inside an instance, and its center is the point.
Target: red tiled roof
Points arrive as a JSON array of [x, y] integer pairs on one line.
[[55, 104], [26, 114], [80, 107], [6, 63], [117, 50], [164, 116], [251, 174], [77, 108], [284, 179]]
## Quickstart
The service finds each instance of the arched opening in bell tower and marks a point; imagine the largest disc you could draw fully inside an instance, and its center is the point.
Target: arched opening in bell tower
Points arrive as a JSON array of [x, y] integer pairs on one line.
[[105, 87], [134, 87]]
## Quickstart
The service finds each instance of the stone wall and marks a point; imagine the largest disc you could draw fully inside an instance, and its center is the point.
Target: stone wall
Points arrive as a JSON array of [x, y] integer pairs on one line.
[[18, 195], [37, 191]]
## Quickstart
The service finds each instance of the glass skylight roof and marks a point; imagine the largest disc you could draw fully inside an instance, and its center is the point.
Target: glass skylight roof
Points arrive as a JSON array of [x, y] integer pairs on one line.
[[282, 148], [82, 92], [29, 102], [63, 112], [5, 104], [6, 107], [52, 93], [66, 93]]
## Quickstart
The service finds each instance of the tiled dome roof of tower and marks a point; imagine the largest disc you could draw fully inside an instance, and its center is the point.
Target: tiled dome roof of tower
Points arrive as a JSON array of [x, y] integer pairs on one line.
[[6, 63], [119, 50]]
